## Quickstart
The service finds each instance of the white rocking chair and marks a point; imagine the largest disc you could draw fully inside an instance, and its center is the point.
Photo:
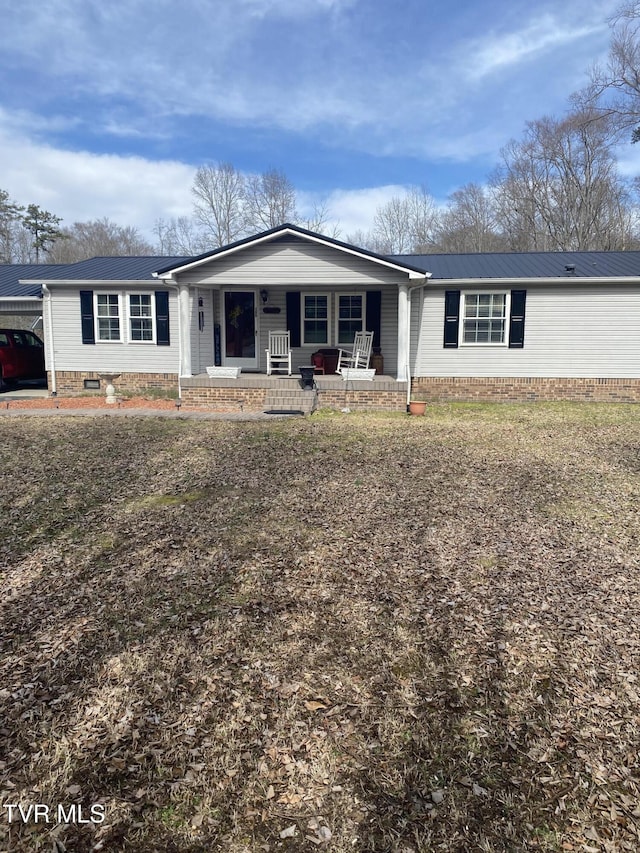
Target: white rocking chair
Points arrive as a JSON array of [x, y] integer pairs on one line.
[[279, 353], [358, 357]]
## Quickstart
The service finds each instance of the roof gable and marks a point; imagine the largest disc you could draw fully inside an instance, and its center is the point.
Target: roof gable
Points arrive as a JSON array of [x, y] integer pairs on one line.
[[287, 229]]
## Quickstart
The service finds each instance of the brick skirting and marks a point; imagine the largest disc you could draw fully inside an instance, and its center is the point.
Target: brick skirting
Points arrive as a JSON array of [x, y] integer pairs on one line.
[[524, 389], [225, 399], [363, 401], [72, 382]]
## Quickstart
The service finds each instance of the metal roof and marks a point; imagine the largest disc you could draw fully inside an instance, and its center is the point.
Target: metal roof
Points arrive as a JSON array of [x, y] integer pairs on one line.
[[493, 265], [92, 269], [515, 265], [114, 269], [10, 275]]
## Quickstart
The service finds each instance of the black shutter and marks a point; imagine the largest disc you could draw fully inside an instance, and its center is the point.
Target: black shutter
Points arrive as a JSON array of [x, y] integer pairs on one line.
[[516, 320], [162, 318], [451, 317], [293, 317], [373, 315], [86, 317]]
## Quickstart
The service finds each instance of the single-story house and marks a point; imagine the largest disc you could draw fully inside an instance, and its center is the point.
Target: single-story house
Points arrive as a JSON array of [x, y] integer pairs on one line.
[[502, 326]]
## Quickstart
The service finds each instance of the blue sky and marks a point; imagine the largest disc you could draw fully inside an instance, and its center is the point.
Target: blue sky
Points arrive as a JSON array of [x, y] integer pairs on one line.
[[107, 109]]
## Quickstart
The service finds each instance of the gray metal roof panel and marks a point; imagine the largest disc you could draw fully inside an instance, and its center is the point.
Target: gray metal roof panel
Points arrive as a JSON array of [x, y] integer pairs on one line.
[[98, 269], [515, 265], [11, 274], [495, 265], [115, 269]]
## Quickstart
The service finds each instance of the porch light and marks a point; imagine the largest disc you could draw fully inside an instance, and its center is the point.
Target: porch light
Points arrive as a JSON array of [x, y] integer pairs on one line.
[[264, 295]]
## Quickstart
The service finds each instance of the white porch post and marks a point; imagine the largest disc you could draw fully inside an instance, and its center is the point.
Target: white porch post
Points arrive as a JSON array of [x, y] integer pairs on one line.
[[403, 333], [184, 321]]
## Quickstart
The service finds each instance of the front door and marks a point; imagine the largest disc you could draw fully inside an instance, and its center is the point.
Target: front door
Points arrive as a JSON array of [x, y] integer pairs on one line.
[[240, 344]]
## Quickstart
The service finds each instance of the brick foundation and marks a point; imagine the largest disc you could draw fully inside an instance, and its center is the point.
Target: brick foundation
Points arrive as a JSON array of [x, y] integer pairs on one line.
[[524, 389], [70, 382], [225, 399], [363, 401]]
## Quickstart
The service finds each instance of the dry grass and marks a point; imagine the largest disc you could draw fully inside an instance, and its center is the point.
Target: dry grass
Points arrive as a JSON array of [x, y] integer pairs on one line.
[[346, 633]]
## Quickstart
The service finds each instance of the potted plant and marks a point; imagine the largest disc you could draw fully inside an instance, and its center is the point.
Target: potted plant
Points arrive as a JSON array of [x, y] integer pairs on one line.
[[417, 407]]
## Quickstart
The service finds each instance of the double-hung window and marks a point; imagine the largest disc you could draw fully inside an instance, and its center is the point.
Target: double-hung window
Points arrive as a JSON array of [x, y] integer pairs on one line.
[[141, 317], [484, 318], [350, 317], [315, 318], [108, 317]]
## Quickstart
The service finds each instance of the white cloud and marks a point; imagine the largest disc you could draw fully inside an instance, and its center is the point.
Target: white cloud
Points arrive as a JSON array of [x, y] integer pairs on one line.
[[350, 210], [629, 160], [500, 50], [79, 185]]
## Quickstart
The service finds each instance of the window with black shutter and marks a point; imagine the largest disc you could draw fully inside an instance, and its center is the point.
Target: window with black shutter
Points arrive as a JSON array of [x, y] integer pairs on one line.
[[516, 319], [451, 317], [162, 318], [86, 317]]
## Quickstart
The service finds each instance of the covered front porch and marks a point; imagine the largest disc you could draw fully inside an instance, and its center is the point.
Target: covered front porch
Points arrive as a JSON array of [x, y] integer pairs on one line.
[[259, 393], [315, 290]]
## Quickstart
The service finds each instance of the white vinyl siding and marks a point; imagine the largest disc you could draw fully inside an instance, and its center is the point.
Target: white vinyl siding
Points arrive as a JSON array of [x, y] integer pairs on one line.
[[301, 355], [201, 332], [292, 263], [576, 331], [72, 354]]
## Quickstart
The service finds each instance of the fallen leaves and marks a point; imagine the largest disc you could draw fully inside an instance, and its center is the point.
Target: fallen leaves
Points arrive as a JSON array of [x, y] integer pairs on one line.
[[443, 661]]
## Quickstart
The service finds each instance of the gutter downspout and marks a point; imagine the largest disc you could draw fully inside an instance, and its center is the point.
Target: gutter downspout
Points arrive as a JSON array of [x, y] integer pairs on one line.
[[52, 357], [410, 290]]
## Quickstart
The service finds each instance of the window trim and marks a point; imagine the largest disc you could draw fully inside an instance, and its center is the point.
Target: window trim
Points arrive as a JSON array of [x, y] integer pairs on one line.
[[363, 328], [97, 318], [303, 296], [153, 340], [462, 318]]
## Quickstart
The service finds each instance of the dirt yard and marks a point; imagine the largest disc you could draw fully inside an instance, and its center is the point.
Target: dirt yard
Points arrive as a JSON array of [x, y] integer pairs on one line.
[[341, 633]]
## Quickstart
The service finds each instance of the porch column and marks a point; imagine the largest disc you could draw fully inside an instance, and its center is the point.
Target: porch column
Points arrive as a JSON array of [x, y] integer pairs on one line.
[[184, 320], [403, 333]]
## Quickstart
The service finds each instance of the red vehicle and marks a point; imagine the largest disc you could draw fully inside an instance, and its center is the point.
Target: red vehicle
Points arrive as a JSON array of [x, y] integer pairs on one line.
[[21, 356]]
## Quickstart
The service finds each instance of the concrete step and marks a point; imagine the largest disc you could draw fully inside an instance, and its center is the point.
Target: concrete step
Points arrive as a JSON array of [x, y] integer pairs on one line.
[[291, 400]]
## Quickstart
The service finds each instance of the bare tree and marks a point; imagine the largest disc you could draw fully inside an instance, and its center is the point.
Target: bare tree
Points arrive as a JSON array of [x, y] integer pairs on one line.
[[98, 237], [220, 202], [320, 221], [558, 187], [364, 240], [406, 223], [270, 200], [614, 88], [181, 236], [469, 222]]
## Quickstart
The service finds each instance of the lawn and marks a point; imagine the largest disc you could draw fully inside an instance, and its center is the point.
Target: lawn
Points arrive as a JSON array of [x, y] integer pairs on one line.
[[342, 633]]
